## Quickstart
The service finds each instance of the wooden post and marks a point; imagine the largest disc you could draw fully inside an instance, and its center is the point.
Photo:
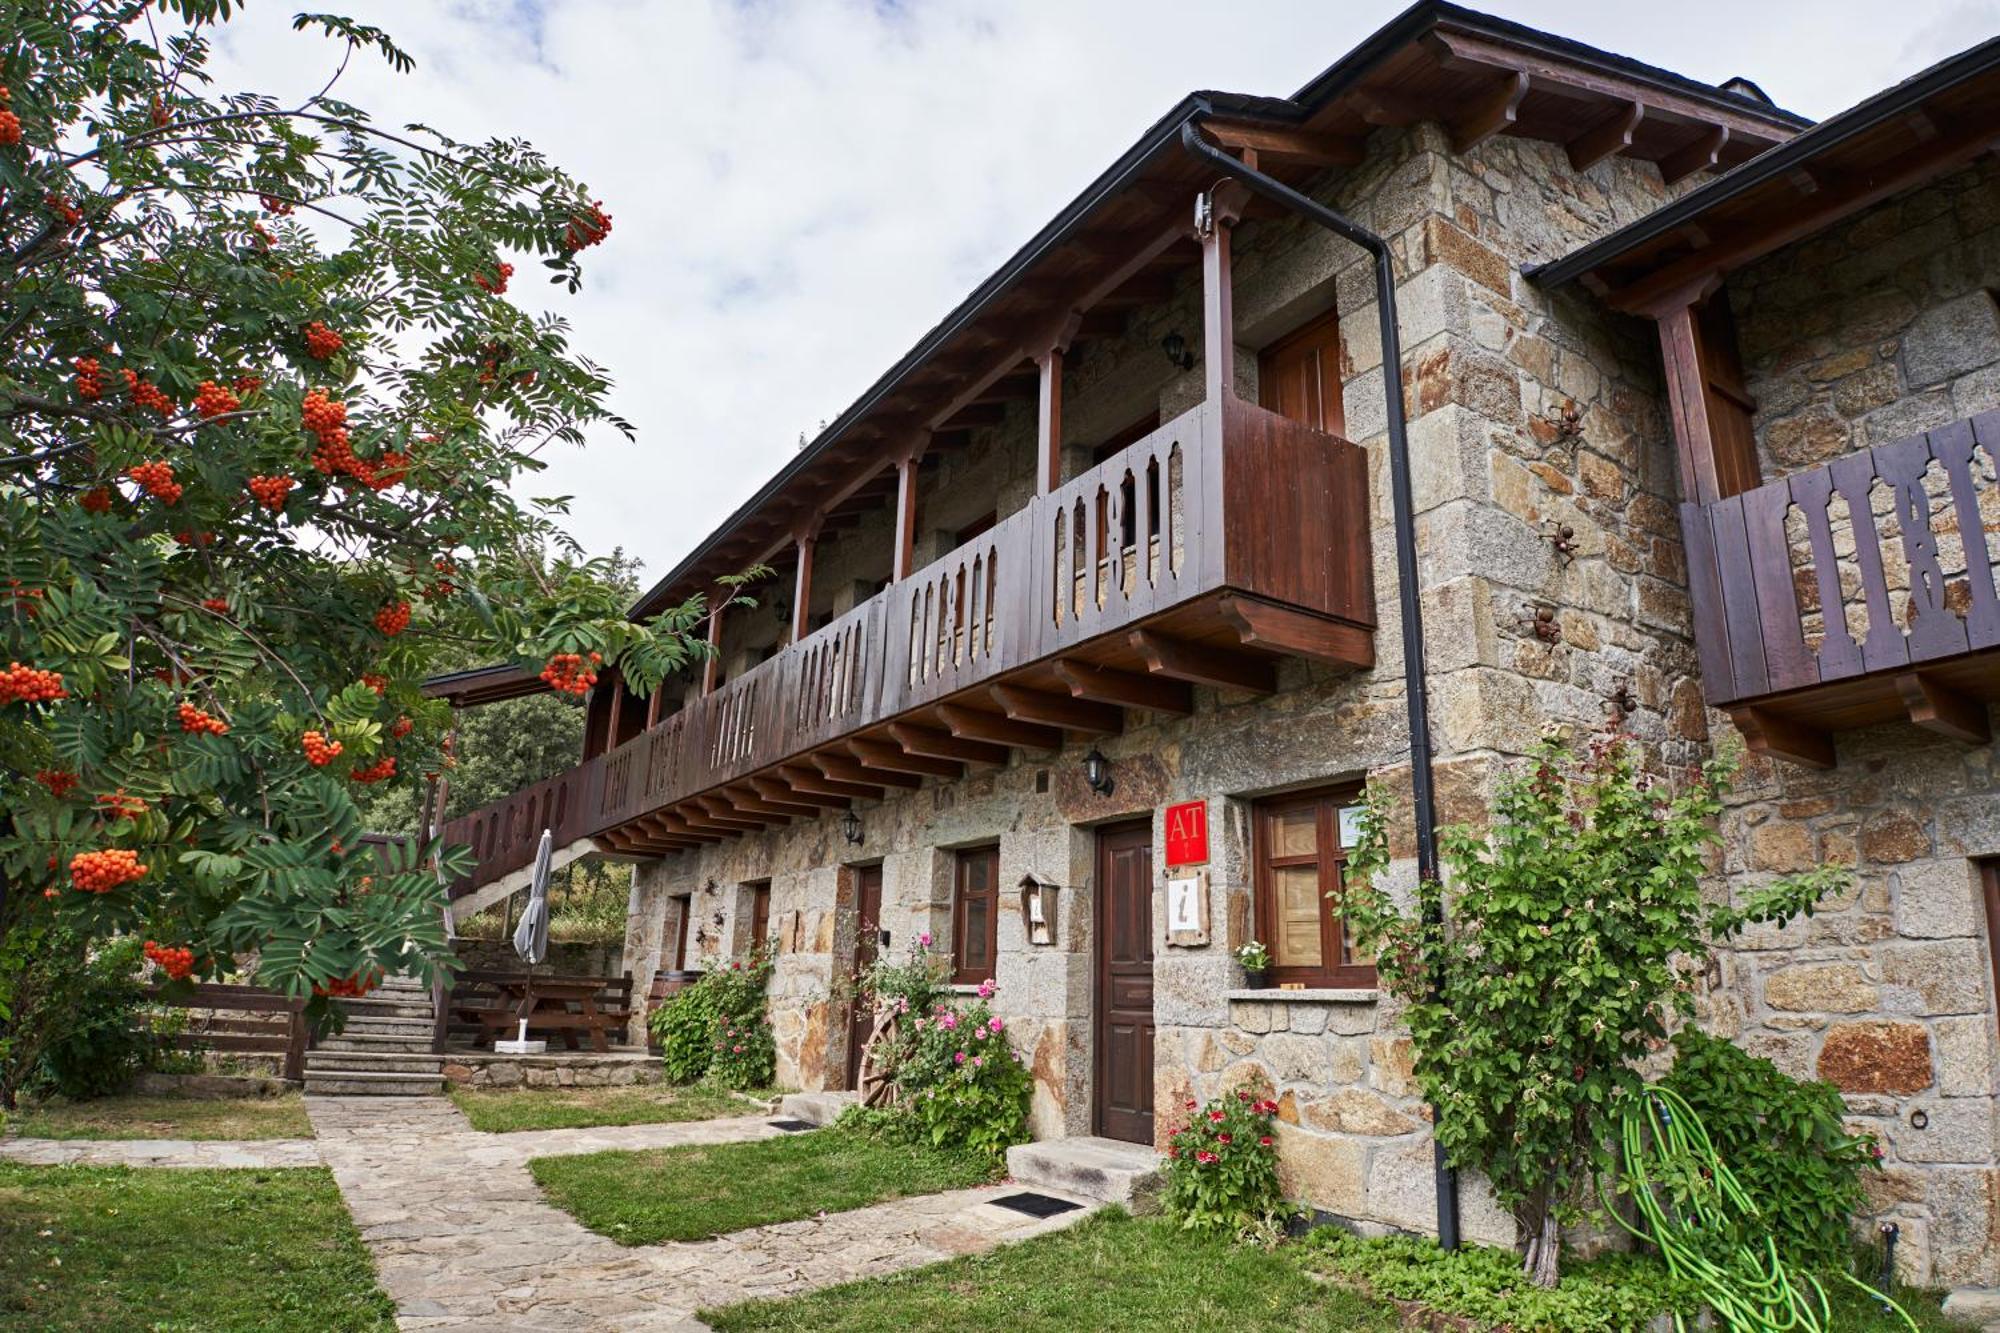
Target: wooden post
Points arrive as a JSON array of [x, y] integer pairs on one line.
[[802, 586], [1048, 422], [906, 504], [1705, 393], [713, 666], [296, 1033], [1218, 309]]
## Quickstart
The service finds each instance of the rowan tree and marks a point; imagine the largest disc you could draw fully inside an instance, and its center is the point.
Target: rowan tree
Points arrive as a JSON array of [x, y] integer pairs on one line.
[[265, 396]]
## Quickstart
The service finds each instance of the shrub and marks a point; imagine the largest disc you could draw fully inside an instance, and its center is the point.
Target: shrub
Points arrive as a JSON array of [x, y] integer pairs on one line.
[[685, 1028], [962, 1082], [104, 1041], [744, 1054], [917, 985], [1577, 927], [1222, 1168], [1786, 1142]]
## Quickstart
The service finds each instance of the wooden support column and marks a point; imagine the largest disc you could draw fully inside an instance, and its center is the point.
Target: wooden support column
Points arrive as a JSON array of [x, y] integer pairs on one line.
[[906, 504], [1218, 306], [1705, 392], [802, 586], [712, 668], [1050, 348]]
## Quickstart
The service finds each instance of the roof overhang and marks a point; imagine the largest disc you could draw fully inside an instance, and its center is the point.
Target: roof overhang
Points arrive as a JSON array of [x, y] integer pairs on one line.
[[1922, 128], [1476, 75], [484, 685]]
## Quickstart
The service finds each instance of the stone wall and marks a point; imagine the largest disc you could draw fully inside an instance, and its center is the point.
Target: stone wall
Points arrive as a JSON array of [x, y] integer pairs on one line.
[[1877, 328]]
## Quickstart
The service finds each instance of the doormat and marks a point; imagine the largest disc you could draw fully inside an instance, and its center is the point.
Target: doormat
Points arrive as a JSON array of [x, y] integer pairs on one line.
[[793, 1126], [1037, 1205]]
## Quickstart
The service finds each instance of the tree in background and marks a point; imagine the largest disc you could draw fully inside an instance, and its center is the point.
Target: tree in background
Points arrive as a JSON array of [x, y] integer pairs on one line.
[[263, 398]]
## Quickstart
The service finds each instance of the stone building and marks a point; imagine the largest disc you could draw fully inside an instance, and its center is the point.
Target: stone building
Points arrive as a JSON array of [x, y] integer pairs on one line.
[[1138, 530]]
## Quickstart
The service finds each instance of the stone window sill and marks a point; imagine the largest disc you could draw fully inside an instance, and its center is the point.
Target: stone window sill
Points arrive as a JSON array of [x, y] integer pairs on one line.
[[1357, 995], [960, 988]]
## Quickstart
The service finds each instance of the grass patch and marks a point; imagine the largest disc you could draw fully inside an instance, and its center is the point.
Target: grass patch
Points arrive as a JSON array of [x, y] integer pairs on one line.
[[1618, 1293], [165, 1249], [693, 1192], [281, 1117], [503, 1110], [1108, 1271]]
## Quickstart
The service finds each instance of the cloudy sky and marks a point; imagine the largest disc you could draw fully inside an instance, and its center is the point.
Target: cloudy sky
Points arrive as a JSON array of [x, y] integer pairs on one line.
[[800, 190]]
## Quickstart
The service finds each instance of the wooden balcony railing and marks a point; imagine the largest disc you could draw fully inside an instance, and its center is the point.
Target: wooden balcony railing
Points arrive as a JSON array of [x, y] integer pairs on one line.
[[1223, 500], [1873, 573]]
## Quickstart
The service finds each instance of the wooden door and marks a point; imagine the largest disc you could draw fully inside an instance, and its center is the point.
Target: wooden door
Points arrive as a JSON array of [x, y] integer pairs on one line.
[[1298, 376], [867, 941], [1124, 1045]]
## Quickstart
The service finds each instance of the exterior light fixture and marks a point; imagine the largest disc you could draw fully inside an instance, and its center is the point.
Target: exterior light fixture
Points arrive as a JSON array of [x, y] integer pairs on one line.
[[1097, 772], [850, 827], [1177, 351]]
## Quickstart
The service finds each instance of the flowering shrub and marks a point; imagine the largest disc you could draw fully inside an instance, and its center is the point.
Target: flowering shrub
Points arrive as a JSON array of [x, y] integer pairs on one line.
[[685, 1028], [962, 1081], [1222, 1168], [745, 1053], [917, 985]]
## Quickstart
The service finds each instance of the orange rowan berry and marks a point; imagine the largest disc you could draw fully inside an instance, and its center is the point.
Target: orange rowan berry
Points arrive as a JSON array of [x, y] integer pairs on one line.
[[101, 872], [120, 806], [321, 341], [25, 684], [59, 781], [212, 400], [587, 229], [96, 500], [146, 395], [271, 491], [219, 605], [89, 378], [176, 962], [393, 619], [497, 284], [319, 750], [381, 770], [198, 721], [157, 478]]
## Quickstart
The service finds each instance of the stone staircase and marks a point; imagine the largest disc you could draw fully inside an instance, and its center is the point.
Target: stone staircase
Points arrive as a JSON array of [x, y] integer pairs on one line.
[[385, 1049], [1107, 1170]]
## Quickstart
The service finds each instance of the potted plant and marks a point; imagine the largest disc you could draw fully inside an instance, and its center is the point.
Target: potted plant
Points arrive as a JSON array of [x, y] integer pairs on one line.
[[1256, 961]]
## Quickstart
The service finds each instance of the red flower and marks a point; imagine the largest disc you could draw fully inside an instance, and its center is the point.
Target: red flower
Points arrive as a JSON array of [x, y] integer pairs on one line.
[[1264, 1142], [1223, 1138], [1215, 1115]]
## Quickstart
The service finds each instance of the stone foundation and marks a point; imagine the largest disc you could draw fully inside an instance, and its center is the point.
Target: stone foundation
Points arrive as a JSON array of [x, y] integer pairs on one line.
[[483, 1069]]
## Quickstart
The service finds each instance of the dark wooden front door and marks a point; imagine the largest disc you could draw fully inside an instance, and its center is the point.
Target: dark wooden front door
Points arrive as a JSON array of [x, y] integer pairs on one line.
[[1124, 1105], [867, 941]]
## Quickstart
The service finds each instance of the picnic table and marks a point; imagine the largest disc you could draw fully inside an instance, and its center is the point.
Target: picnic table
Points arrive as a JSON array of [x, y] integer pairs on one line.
[[545, 1002]]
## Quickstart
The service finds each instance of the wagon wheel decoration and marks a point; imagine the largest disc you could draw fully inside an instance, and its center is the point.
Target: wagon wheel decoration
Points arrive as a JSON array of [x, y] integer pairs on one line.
[[878, 1088]]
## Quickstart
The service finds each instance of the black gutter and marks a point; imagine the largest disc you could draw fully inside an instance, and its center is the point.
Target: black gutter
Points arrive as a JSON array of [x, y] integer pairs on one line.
[[1416, 693], [1889, 104]]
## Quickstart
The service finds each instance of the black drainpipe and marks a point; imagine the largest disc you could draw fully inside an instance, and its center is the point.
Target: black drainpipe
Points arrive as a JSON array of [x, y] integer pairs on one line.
[[1416, 695]]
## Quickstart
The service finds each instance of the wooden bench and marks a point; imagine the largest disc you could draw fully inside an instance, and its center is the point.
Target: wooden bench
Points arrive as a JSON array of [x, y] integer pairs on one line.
[[248, 1019], [483, 999]]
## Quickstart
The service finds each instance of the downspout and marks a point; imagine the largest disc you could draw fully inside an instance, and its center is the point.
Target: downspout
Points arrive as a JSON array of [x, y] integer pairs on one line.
[[1415, 693]]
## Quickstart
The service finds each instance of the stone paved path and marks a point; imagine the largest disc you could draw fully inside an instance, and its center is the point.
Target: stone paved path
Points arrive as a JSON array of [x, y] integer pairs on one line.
[[463, 1240], [161, 1152]]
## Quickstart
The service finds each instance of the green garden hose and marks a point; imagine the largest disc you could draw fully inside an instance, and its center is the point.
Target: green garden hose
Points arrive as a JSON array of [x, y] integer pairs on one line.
[[1692, 1210]]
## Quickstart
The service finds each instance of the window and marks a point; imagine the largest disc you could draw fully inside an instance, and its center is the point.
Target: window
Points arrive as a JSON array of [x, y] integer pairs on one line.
[[975, 911], [680, 909], [760, 912], [1298, 376], [1299, 862]]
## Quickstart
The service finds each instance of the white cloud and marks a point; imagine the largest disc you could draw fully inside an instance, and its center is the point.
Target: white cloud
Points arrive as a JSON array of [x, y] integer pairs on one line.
[[800, 190]]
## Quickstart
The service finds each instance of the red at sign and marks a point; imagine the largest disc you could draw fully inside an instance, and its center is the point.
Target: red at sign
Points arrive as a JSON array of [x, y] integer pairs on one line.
[[1187, 833]]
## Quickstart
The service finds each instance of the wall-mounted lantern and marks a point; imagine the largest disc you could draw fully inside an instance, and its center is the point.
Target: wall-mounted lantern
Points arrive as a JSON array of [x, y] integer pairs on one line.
[[1176, 348], [1038, 907], [1097, 772], [850, 827]]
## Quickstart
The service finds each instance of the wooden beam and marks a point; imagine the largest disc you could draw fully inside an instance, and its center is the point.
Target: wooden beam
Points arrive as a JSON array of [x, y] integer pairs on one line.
[[1265, 625], [1203, 665], [1054, 710], [1607, 138], [1783, 737], [889, 758], [1937, 707], [844, 769], [802, 583], [1707, 404], [781, 811], [647, 827], [782, 791], [1492, 112], [1128, 689], [945, 745], [1048, 420], [979, 725], [906, 504], [681, 828], [813, 781], [1698, 155], [1281, 144], [719, 812]]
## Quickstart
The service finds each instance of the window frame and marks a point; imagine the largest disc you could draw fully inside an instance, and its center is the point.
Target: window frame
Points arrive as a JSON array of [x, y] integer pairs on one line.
[[963, 973], [1331, 860]]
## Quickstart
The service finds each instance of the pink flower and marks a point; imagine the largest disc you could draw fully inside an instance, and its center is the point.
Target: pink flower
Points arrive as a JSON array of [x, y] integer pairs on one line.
[[1215, 1115], [994, 1025], [979, 1034], [948, 1021], [737, 1049], [1191, 1103], [978, 1061], [1206, 1157], [1223, 1138], [958, 1059], [1264, 1142], [924, 939], [986, 989]]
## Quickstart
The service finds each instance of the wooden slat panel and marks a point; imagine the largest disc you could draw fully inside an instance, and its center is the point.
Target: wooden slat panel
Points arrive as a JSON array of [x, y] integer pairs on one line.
[[1739, 600], [1839, 654], [1884, 647], [1711, 625], [1786, 658], [1952, 446], [1933, 630]]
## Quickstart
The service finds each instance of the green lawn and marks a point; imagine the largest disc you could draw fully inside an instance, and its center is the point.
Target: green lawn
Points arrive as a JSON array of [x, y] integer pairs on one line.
[[690, 1193], [282, 1117], [1109, 1272], [173, 1251], [502, 1110]]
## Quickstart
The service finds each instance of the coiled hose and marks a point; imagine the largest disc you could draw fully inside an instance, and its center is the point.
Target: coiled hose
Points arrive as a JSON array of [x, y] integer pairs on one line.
[[1692, 1210]]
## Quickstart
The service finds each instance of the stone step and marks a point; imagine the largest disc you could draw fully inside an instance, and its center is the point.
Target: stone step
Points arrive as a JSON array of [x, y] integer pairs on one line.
[[387, 1007], [321, 1060], [372, 1083], [364, 1041], [389, 1026], [816, 1108], [1107, 1170]]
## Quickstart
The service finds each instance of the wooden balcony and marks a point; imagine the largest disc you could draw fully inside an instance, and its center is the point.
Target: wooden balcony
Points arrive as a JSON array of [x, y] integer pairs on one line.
[[1225, 539], [1854, 593]]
